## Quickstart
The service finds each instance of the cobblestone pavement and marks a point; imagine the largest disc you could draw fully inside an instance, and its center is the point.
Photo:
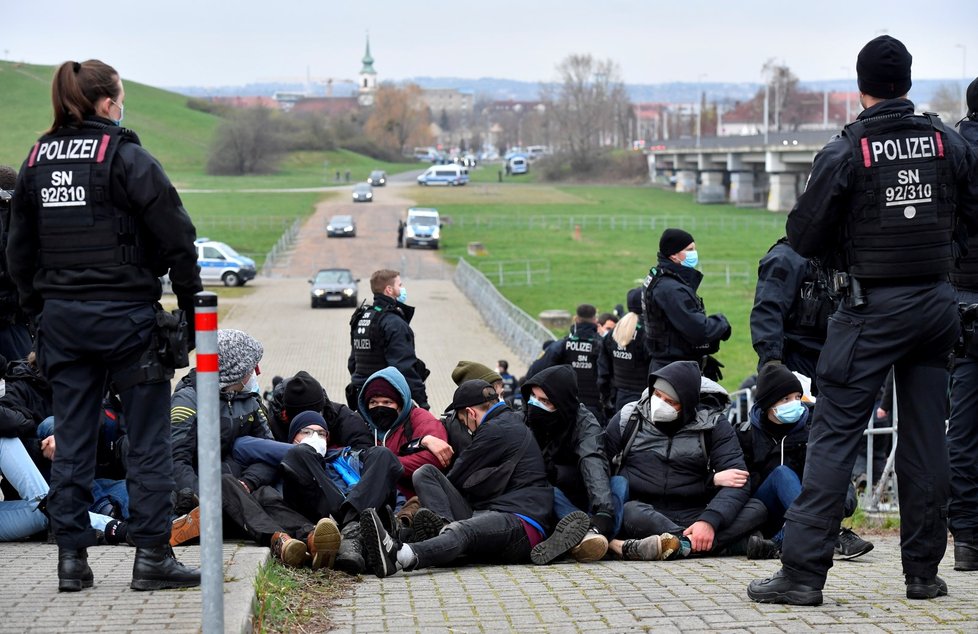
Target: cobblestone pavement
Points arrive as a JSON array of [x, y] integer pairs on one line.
[[865, 595]]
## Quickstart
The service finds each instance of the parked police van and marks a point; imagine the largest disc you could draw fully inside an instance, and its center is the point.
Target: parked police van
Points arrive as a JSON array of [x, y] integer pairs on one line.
[[220, 263], [444, 175], [422, 228]]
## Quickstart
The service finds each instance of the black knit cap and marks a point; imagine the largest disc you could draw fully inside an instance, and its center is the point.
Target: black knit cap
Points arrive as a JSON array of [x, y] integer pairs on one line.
[[973, 99], [303, 393], [883, 68], [673, 241], [634, 300], [774, 382]]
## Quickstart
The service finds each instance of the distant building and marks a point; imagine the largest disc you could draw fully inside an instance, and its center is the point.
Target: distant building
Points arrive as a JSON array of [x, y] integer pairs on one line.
[[805, 110], [450, 100], [368, 79]]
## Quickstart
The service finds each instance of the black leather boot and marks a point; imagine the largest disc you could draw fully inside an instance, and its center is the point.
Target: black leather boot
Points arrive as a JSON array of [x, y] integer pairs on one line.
[[965, 556], [73, 571], [156, 568], [349, 559]]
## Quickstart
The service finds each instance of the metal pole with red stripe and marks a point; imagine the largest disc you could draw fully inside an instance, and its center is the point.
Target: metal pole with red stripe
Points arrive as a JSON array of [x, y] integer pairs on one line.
[[209, 463]]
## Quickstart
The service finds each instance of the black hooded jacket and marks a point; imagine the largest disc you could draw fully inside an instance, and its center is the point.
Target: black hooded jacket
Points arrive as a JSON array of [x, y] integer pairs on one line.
[[573, 446], [672, 469], [345, 427]]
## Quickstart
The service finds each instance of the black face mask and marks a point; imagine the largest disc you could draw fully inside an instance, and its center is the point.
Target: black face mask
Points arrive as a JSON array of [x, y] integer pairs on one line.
[[383, 417], [540, 419]]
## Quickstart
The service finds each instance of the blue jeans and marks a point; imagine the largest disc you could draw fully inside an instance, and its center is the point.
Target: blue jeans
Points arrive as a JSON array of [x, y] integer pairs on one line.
[[777, 492], [619, 495]]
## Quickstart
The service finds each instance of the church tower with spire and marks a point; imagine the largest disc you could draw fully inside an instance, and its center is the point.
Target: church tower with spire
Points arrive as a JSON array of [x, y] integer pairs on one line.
[[368, 78]]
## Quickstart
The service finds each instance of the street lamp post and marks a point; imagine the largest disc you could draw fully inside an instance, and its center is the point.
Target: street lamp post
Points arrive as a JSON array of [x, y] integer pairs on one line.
[[848, 93], [699, 109], [964, 76]]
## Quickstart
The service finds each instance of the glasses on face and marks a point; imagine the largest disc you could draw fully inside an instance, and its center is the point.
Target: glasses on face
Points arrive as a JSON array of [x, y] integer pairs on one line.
[[309, 431]]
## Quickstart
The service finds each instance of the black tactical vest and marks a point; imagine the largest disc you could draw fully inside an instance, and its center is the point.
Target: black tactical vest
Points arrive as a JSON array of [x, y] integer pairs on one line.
[[964, 275], [368, 340], [629, 364], [582, 355], [67, 175], [664, 341], [902, 217]]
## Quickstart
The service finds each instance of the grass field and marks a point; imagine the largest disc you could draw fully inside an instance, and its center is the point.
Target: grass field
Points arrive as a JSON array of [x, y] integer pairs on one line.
[[601, 266]]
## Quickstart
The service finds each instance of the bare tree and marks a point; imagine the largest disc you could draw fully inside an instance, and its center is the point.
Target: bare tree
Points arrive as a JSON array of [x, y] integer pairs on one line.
[[247, 143], [782, 84], [399, 118], [587, 108], [947, 102]]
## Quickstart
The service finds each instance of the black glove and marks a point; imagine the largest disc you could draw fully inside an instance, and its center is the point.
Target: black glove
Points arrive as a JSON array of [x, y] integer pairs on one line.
[[711, 368], [186, 304], [604, 523], [184, 501]]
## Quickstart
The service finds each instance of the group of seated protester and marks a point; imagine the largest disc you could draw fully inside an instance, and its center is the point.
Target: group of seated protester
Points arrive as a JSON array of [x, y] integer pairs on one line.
[[392, 487]]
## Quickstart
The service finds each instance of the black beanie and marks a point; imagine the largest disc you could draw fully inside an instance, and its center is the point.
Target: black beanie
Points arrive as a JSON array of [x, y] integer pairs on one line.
[[634, 300], [303, 420], [774, 382], [973, 99], [673, 241], [883, 68], [303, 393]]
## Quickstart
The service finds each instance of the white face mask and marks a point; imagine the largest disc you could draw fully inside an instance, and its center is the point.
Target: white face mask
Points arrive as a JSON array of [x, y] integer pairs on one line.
[[315, 441], [252, 384], [661, 411]]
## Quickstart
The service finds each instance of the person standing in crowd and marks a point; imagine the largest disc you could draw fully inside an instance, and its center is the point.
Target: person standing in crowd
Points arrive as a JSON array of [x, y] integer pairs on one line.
[[962, 428], [897, 246], [677, 327], [511, 387], [606, 323], [381, 336], [91, 271], [623, 367], [579, 350], [15, 338]]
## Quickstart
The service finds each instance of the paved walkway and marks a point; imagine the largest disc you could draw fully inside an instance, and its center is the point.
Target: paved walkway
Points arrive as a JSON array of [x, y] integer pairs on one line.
[[688, 596]]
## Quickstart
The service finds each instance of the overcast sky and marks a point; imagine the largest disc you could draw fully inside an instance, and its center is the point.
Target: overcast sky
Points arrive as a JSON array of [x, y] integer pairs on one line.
[[217, 43]]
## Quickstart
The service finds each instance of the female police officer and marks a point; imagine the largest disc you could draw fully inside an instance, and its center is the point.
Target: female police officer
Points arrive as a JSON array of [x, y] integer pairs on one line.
[[94, 223]]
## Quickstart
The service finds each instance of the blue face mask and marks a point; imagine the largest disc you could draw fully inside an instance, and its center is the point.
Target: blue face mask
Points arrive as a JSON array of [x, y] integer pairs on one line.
[[536, 403], [692, 259], [122, 113], [402, 296], [789, 413]]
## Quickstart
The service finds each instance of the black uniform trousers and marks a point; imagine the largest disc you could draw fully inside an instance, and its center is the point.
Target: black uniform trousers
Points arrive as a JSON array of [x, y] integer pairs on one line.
[[912, 328], [962, 444], [308, 489], [81, 345]]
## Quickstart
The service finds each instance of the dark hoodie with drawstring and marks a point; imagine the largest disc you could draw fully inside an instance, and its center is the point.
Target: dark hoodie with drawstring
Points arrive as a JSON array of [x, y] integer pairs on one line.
[[769, 445], [671, 465], [571, 441], [413, 423]]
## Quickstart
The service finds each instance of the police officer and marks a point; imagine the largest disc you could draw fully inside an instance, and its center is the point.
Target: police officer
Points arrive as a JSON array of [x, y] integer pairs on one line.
[[15, 338], [623, 367], [887, 193], [962, 428], [580, 350], [95, 222], [676, 325], [381, 336]]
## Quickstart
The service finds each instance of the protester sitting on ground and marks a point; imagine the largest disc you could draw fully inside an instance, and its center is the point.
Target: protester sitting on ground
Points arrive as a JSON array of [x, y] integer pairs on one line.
[[322, 482], [399, 424], [676, 449], [459, 437], [302, 393], [494, 506], [623, 366], [241, 414], [573, 452], [26, 402], [775, 443]]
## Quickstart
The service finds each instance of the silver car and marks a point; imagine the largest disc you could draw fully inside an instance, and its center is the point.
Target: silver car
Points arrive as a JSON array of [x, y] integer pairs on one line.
[[333, 287], [341, 227], [363, 193]]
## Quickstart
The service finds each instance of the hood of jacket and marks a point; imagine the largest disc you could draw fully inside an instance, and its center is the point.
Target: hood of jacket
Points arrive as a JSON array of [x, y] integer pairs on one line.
[[392, 305], [759, 421], [685, 378], [20, 370], [395, 378], [559, 382], [969, 130]]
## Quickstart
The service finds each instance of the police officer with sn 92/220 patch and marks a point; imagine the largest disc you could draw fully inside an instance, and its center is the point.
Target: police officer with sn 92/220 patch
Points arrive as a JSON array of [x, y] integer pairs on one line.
[[95, 222], [887, 194]]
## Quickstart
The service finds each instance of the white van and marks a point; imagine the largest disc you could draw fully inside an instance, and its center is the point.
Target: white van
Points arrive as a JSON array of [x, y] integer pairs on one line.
[[444, 175], [517, 165], [422, 228]]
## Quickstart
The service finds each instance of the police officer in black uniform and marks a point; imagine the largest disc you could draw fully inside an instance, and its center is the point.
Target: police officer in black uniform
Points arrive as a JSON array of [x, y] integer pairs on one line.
[[381, 336], [15, 338], [580, 350], [676, 324], [887, 193], [95, 223], [792, 303], [623, 367], [962, 428]]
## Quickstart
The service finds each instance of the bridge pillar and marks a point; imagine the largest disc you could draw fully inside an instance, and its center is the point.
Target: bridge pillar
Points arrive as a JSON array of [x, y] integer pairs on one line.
[[784, 191], [711, 189], [741, 188], [686, 180]]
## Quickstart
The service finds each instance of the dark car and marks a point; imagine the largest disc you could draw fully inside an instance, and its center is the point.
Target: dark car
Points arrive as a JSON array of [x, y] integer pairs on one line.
[[363, 193], [341, 227], [333, 287], [377, 178]]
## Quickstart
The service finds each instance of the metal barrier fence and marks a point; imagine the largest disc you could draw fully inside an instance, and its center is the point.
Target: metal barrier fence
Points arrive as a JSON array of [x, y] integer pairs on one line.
[[621, 223], [517, 329], [216, 224], [281, 247], [516, 272]]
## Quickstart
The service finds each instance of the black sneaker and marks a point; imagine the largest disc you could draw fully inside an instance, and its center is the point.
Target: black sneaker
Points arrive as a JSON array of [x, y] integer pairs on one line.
[[425, 525], [760, 548], [780, 589], [349, 558], [569, 532], [965, 556], [380, 543], [849, 545], [921, 588]]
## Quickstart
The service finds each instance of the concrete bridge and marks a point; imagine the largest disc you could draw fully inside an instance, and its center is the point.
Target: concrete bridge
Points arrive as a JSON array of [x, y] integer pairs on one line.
[[741, 170]]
